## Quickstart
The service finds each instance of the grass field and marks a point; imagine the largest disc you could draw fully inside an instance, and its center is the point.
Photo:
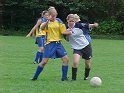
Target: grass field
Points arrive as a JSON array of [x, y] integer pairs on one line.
[[16, 68]]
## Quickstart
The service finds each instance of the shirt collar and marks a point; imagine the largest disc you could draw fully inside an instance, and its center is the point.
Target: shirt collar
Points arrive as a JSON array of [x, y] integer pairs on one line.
[[72, 26]]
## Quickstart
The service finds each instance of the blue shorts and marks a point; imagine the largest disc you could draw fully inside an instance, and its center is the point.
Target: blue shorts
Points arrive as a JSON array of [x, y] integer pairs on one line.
[[54, 50], [40, 41]]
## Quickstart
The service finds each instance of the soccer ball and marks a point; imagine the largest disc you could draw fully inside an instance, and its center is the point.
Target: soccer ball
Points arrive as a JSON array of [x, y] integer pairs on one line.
[[95, 82]]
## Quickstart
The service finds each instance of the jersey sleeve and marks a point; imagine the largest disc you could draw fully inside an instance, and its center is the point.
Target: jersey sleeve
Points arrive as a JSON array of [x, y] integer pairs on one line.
[[62, 26], [84, 27]]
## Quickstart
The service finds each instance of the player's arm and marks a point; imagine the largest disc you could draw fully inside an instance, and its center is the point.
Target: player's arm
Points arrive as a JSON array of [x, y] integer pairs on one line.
[[34, 28], [44, 25], [93, 25], [68, 32]]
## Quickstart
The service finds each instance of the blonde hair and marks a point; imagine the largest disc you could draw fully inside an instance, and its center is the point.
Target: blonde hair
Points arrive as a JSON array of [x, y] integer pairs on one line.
[[76, 16], [51, 7], [70, 16]]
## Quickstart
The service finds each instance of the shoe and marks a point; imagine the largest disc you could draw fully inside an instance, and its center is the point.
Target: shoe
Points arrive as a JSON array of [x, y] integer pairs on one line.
[[33, 79], [36, 62], [73, 80], [63, 79], [85, 78]]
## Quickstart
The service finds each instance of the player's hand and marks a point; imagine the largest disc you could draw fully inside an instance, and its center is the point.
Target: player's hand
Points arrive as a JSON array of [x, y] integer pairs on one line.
[[28, 35], [96, 24], [69, 31]]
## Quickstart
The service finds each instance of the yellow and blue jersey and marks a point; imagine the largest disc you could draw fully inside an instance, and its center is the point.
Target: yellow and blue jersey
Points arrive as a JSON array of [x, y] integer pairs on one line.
[[55, 30], [53, 47], [40, 32]]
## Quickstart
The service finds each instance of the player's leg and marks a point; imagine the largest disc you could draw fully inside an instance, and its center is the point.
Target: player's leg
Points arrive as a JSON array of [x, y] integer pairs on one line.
[[42, 48], [46, 56], [61, 53], [40, 68], [87, 54], [87, 68], [39, 54], [76, 58], [65, 60]]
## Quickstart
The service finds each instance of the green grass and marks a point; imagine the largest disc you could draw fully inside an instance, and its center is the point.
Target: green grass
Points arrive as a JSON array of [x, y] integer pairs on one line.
[[16, 68]]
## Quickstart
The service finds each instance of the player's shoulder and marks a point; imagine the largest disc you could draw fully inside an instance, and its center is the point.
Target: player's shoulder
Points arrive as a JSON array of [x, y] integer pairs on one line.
[[81, 24], [43, 19], [39, 19], [59, 20]]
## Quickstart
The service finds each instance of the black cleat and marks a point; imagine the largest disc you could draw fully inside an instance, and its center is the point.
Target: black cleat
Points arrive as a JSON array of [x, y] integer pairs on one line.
[[33, 79], [73, 80], [85, 78], [36, 62]]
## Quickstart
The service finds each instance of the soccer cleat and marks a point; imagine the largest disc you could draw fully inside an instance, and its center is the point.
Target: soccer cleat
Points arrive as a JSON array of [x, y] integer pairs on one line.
[[33, 79], [73, 80], [36, 62], [85, 78], [64, 79]]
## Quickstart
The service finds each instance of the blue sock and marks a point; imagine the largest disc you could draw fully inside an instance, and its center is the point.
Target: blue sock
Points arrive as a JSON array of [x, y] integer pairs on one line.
[[41, 56], [37, 56], [64, 72], [38, 71]]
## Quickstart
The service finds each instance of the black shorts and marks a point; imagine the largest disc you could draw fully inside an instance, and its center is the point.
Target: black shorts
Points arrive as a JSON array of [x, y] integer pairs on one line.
[[86, 52]]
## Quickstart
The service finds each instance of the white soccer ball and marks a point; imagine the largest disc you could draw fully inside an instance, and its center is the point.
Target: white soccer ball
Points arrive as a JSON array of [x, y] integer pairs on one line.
[[95, 82]]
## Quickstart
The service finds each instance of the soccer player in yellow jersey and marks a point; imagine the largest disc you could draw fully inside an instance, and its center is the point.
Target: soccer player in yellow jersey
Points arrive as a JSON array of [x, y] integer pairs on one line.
[[40, 36], [53, 48]]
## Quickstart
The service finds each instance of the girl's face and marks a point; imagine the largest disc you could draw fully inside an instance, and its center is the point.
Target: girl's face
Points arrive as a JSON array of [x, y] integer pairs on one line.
[[76, 19], [46, 16], [53, 13], [71, 21]]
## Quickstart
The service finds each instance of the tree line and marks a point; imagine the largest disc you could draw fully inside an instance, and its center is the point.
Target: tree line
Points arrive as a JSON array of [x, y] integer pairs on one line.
[[20, 15]]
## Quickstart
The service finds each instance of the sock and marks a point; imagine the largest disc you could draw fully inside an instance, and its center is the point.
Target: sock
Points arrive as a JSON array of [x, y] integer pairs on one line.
[[41, 56], [74, 73], [87, 71], [37, 56], [64, 72], [38, 71]]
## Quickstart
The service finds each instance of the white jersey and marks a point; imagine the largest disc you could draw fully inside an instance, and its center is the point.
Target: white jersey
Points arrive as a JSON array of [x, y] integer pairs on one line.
[[78, 39]]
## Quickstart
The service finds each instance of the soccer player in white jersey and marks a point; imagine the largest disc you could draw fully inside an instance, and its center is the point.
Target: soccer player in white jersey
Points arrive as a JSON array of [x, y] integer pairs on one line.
[[80, 43]]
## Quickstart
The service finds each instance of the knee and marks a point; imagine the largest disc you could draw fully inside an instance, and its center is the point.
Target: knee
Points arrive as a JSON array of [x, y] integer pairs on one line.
[[66, 60], [75, 64], [87, 65], [42, 64], [41, 49]]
